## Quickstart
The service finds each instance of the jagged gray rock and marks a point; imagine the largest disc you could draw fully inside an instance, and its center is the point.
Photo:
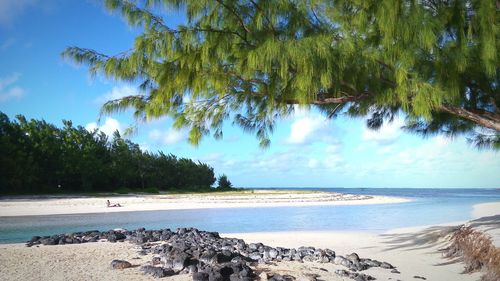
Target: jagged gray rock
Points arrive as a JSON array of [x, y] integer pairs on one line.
[[207, 256]]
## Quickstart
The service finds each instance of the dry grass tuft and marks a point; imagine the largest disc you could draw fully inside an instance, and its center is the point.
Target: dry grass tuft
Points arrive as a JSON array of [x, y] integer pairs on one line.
[[477, 251]]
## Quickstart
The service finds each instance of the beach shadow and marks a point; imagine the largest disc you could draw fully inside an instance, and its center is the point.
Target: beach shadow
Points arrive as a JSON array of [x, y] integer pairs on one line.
[[450, 261], [435, 238], [486, 223], [424, 239]]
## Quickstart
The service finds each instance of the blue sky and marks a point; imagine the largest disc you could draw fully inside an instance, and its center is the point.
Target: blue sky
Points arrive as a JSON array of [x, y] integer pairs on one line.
[[306, 150]]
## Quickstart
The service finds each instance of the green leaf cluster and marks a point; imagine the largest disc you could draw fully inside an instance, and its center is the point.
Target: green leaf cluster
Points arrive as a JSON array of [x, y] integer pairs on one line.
[[254, 61]]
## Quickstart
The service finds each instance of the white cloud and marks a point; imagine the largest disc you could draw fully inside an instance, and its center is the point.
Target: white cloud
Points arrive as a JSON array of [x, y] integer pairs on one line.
[[294, 164], [332, 158], [304, 128], [10, 9], [435, 162], [6, 81], [313, 163], [333, 161], [145, 147], [109, 127], [387, 134], [7, 43], [279, 162], [117, 93], [332, 149], [171, 136], [221, 162], [8, 90], [213, 157], [14, 92]]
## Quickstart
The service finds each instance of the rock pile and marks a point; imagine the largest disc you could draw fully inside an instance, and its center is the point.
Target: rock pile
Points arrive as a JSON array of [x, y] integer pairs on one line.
[[207, 256]]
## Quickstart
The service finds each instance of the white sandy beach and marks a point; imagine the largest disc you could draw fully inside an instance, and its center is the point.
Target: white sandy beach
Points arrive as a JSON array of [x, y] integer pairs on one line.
[[403, 250], [66, 205], [414, 251], [91, 261]]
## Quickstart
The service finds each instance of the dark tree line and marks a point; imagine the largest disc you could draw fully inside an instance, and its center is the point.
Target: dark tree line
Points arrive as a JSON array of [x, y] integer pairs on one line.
[[38, 157]]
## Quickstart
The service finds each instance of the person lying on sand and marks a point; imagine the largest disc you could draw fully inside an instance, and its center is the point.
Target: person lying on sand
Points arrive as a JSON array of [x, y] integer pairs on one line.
[[112, 205]]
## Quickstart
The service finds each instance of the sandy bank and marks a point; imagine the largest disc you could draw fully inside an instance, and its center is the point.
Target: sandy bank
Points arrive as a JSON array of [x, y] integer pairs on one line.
[[485, 210], [52, 206]]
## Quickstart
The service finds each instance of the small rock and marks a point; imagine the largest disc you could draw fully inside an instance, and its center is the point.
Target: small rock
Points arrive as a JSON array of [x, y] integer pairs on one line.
[[312, 277], [200, 276], [339, 260], [342, 272], [276, 277], [215, 276], [353, 257], [419, 277], [386, 265], [273, 253], [49, 241], [157, 272], [120, 264], [208, 257], [35, 238], [180, 261], [234, 277], [255, 256]]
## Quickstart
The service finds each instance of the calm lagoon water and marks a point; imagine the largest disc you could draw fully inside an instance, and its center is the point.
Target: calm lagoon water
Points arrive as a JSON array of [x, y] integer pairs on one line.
[[429, 206]]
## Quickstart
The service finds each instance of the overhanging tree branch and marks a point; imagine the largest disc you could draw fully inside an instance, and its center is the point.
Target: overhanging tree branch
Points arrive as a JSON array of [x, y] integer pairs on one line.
[[485, 118], [419, 68]]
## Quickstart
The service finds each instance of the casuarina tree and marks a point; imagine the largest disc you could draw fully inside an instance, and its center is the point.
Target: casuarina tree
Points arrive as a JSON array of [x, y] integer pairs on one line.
[[256, 61], [224, 183]]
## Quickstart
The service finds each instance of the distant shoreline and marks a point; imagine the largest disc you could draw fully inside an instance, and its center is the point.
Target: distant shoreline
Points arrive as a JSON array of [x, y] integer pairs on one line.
[[58, 205]]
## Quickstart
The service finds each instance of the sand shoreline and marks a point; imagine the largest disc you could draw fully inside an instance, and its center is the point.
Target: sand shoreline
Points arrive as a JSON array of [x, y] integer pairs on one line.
[[414, 251], [82, 205]]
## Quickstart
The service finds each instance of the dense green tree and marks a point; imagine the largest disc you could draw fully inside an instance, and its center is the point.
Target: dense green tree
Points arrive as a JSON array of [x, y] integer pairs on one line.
[[38, 157], [223, 182], [435, 62]]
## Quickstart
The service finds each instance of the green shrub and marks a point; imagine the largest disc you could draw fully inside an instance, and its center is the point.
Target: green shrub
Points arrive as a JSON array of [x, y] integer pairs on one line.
[[153, 190], [123, 190]]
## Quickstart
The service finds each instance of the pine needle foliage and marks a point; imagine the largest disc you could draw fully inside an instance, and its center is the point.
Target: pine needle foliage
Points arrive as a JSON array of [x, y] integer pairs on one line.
[[253, 61]]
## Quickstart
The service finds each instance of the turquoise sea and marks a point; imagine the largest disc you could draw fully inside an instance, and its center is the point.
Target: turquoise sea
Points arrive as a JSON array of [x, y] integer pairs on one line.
[[428, 206]]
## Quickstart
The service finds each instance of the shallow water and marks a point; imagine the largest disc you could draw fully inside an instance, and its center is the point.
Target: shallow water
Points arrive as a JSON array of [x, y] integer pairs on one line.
[[429, 206]]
